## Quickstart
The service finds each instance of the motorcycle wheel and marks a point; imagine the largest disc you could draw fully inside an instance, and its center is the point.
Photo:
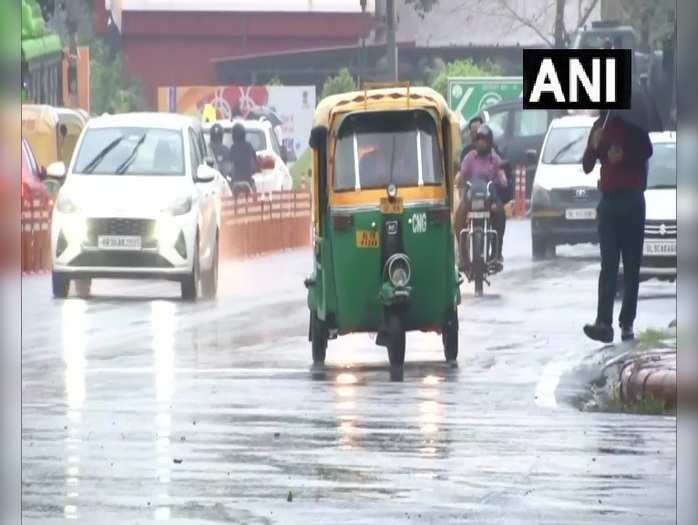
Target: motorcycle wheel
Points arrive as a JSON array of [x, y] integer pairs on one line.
[[478, 263]]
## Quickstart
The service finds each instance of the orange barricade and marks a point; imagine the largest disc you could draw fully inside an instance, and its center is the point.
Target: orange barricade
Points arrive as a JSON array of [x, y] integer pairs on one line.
[[36, 235], [520, 192]]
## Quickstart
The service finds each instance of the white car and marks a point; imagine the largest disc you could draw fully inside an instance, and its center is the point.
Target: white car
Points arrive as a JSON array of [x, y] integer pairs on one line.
[[261, 134], [564, 198], [659, 252], [139, 200]]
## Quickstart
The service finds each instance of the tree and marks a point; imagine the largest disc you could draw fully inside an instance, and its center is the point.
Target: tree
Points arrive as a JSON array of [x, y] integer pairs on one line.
[[463, 68], [112, 88], [655, 20], [340, 83]]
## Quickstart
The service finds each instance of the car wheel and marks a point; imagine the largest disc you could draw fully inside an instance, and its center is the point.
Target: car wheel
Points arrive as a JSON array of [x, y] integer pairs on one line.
[[539, 247], [60, 285], [191, 283], [210, 283], [83, 287]]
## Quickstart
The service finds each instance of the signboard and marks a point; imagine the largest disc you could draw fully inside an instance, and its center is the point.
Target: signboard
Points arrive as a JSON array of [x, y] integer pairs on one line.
[[468, 96], [289, 108]]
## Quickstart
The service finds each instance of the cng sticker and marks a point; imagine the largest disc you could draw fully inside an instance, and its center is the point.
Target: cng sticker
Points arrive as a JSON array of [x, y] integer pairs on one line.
[[419, 222]]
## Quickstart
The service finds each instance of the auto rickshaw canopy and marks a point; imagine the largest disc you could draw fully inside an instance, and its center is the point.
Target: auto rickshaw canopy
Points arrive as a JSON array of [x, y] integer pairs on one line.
[[40, 126], [74, 122]]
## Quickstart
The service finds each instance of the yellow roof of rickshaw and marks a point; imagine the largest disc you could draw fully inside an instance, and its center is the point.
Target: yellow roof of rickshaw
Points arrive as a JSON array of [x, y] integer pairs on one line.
[[70, 116], [39, 117], [383, 98]]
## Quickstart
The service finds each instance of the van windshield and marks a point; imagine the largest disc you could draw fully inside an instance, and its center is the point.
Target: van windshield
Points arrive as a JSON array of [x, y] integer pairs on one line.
[[376, 149]]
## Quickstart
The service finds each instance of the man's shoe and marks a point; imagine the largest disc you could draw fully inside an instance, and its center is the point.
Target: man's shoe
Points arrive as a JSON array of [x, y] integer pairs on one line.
[[626, 333], [599, 332]]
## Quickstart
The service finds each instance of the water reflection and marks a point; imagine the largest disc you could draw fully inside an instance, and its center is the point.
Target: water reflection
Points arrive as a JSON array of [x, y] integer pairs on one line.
[[163, 325], [74, 326]]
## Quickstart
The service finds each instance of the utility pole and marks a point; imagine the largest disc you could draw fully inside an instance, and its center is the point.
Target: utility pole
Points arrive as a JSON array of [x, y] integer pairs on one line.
[[391, 40], [362, 49]]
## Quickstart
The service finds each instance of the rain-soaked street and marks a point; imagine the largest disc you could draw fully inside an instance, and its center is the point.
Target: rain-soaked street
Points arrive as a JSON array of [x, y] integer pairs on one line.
[[138, 406]]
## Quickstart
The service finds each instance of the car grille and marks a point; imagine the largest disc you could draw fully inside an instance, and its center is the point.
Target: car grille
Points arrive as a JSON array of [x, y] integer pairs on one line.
[[572, 196], [115, 259], [660, 230], [144, 228]]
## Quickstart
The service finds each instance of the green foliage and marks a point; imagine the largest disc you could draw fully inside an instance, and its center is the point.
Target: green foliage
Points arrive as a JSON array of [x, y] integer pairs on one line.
[[341, 83], [112, 88], [300, 168], [462, 68]]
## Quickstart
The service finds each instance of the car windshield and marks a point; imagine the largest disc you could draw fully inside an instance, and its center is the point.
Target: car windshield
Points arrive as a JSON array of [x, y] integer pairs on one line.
[[565, 145], [376, 149], [130, 151], [662, 166], [256, 137]]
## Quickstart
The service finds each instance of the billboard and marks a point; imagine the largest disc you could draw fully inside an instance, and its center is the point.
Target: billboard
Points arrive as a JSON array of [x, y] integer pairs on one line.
[[468, 96], [290, 108]]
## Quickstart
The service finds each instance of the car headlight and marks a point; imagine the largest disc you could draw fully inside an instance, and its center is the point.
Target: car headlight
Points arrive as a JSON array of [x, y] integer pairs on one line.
[[179, 207], [540, 197], [398, 269], [65, 204], [75, 228]]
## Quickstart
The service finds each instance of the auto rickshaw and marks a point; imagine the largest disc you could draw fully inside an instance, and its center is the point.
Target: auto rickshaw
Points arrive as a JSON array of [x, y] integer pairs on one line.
[[74, 121], [384, 161]]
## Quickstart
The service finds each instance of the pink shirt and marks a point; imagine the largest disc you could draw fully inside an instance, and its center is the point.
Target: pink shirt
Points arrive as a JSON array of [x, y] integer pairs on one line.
[[487, 166]]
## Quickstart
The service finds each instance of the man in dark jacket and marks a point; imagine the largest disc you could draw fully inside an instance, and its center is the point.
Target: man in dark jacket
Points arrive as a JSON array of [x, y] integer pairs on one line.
[[243, 157], [623, 150]]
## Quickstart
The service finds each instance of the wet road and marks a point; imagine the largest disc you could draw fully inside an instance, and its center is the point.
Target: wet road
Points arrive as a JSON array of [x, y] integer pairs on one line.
[[139, 407]]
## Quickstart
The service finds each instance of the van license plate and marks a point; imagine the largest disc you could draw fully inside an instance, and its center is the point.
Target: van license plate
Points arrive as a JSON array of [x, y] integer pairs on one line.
[[367, 238], [580, 214], [119, 242], [660, 248]]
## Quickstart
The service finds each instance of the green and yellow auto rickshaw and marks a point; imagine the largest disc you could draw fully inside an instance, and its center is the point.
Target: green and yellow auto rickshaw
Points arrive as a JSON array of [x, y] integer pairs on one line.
[[382, 191]]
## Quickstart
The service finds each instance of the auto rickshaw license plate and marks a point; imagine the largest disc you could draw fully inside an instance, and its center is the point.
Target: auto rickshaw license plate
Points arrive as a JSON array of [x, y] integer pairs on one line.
[[367, 239], [391, 207]]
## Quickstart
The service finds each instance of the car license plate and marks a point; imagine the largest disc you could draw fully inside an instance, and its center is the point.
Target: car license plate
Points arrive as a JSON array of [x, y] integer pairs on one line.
[[577, 214], [393, 207], [660, 248], [119, 242], [479, 215], [367, 238]]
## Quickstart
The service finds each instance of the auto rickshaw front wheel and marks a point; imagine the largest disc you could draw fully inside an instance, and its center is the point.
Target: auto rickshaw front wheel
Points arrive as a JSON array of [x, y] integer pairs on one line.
[[318, 338], [395, 338]]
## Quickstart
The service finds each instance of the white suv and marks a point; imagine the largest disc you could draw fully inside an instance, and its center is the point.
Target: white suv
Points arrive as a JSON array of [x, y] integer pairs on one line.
[[139, 201]]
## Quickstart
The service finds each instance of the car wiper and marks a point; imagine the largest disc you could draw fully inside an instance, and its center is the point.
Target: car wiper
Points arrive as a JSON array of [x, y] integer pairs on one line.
[[123, 167], [565, 149], [662, 187], [90, 166]]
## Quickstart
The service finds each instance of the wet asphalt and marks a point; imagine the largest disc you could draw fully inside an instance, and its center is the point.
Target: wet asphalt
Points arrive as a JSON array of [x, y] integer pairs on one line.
[[139, 407]]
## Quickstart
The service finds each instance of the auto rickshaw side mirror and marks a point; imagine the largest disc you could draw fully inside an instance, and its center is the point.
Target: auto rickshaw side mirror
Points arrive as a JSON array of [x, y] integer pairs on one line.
[[56, 170], [318, 137]]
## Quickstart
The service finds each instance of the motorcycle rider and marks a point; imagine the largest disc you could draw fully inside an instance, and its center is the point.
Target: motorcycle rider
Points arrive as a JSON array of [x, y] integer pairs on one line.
[[243, 157], [484, 161], [221, 153]]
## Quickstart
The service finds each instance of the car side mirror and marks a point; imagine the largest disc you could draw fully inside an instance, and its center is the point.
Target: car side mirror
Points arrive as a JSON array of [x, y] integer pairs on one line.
[[56, 170], [205, 174], [531, 156]]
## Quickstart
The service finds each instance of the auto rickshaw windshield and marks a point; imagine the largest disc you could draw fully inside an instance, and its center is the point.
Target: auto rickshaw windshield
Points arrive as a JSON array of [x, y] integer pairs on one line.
[[375, 149]]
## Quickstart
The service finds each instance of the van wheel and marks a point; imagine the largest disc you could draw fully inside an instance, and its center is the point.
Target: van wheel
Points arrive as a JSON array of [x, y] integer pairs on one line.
[[318, 338], [191, 284], [83, 287], [449, 336], [395, 337], [539, 247], [60, 285]]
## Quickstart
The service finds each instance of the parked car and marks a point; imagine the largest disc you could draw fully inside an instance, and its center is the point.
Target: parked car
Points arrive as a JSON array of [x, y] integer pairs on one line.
[[659, 252], [33, 175], [564, 198], [275, 175], [519, 134], [139, 201]]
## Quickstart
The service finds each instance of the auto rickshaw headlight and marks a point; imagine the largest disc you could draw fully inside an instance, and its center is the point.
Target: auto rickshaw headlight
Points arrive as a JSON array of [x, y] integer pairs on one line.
[[399, 270]]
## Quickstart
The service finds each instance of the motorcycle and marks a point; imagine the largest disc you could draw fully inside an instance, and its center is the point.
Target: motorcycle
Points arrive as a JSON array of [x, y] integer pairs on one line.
[[479, 241]]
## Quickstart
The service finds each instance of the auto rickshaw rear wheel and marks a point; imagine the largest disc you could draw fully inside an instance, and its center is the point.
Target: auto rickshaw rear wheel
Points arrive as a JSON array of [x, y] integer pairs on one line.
[[395, 333], [318, 338], [449, 336]]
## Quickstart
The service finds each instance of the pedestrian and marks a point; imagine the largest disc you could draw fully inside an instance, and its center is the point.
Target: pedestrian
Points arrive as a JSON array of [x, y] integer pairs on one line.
[[623, 149]]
